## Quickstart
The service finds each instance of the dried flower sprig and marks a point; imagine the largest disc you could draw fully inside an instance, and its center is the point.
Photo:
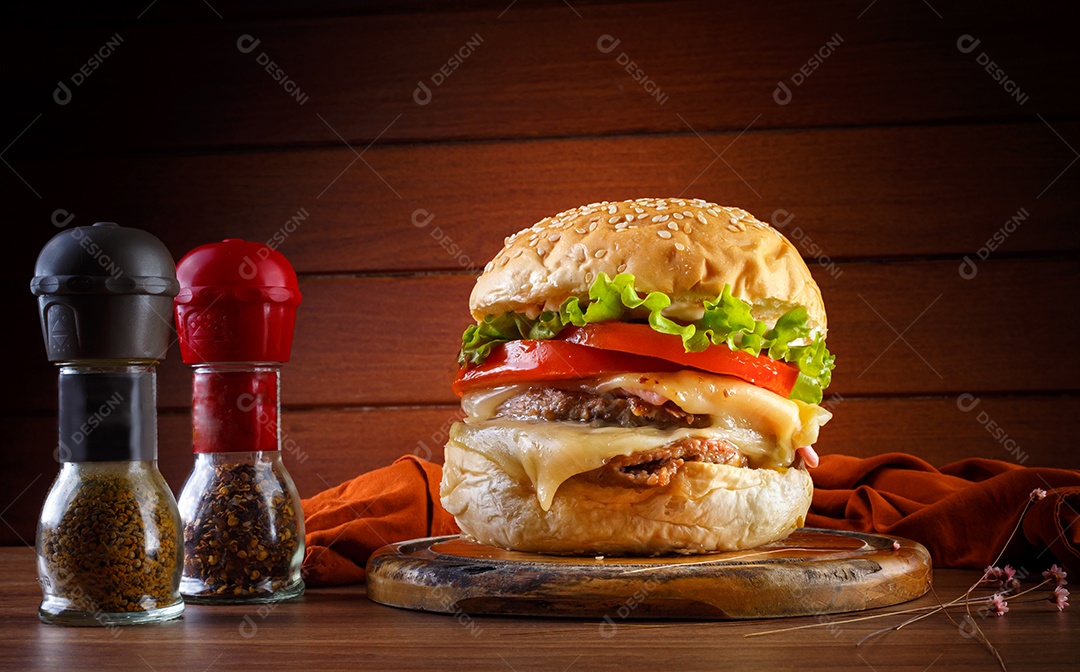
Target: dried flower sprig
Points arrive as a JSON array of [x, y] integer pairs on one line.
[[1002, 579], [1060, 598], [1056, 575]]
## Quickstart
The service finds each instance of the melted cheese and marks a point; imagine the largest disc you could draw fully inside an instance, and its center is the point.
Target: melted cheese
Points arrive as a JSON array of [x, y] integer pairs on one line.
[[766, 427], [734, 404]]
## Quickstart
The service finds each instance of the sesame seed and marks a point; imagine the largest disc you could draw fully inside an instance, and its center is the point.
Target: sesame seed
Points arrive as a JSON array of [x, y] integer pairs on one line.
[[664, 233], [612, 209], [592, 226], [732, 227], [687, 213], [488, 266], [638, 210], [701, 218], [664, 218], [657, 218], [532, 242], [713, 212], [621, 226], [555, 237], [680, 247], [629, 217], [734, 219], [673, 226], [687, 228], [580, 230], [503, 261], [621, 268], [612, 220], [677, 216], [589, 277], [600, 254]]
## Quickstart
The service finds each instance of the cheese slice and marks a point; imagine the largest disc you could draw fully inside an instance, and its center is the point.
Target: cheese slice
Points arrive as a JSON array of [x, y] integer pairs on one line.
[[764, 426]]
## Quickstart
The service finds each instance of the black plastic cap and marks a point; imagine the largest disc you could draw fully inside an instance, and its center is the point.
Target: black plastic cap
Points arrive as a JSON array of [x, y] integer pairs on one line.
[[105, 292]]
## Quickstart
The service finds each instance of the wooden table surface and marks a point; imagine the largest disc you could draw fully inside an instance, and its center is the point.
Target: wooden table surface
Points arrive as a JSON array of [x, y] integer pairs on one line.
[[338, 628]]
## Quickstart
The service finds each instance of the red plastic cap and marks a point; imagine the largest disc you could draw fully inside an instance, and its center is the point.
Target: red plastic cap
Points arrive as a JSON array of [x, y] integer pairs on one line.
[[237, 303]]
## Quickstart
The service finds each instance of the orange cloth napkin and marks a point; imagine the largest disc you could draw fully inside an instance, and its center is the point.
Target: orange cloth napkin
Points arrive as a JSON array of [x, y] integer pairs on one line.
[[963, 512], [346, 524]]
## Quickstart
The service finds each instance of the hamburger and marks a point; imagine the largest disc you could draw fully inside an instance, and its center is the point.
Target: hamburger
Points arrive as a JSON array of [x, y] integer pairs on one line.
[[643, 378]]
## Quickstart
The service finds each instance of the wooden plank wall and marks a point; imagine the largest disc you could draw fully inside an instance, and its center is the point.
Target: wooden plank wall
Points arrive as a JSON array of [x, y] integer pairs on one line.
[[893, 155]]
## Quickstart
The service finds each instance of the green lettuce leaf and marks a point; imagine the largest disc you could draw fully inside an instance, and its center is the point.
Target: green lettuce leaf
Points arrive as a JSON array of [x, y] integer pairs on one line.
[[479, 339], [726, 321]]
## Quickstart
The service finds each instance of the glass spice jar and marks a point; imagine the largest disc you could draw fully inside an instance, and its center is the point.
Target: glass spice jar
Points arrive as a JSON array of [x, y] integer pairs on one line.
[[108, 539], [107, 546], [243, 525]]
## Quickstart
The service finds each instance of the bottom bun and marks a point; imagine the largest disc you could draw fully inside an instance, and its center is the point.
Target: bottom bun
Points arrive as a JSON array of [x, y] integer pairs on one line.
[[706, 507]]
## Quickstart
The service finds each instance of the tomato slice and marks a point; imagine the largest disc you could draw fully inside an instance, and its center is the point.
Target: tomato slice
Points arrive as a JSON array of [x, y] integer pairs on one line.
[[616, 347], [641, 339], [528, 361]]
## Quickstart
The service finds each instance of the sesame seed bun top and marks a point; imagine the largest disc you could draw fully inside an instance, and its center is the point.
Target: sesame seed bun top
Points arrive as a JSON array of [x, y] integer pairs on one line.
[[686, 248]]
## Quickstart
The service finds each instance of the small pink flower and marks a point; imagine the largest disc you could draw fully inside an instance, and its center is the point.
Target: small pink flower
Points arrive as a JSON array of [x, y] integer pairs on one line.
[[1037, 494], [999, 605], [1060, 597], [996, 576], [1056, 575], [1008, 574], [1012, 586]]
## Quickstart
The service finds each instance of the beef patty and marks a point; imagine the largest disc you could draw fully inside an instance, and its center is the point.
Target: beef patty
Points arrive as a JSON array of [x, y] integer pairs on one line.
[[652, 468], [655, 468], [615, 409]]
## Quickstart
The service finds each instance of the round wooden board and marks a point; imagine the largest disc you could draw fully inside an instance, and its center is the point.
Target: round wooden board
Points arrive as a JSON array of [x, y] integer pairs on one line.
[[811, 572]]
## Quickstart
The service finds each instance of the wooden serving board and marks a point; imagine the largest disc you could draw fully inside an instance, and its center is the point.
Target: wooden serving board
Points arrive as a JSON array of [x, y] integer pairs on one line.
[[811, 572]]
